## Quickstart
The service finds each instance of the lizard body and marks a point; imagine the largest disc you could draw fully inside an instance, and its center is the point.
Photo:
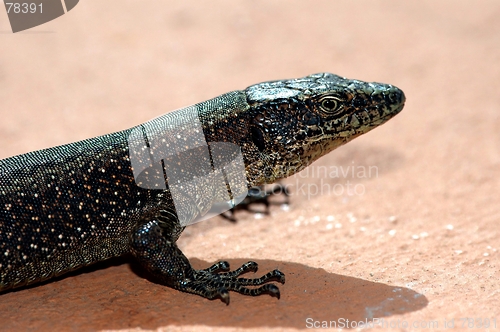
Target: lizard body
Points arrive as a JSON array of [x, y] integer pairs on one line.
[[73, 205]]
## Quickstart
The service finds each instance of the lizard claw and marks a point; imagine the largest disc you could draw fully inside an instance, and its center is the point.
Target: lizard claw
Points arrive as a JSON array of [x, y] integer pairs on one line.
[[273, 290], [224, 295]]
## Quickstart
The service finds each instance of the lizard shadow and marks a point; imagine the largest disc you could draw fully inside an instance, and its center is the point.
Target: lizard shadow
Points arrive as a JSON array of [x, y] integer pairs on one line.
[[310, 297], [112, 297]]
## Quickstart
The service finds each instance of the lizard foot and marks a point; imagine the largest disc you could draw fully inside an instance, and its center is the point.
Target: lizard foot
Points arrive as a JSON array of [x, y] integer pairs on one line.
[[259, 195], [214, 282]]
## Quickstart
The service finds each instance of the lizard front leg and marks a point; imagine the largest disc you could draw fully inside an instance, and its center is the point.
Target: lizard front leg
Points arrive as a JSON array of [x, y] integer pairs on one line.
[[153, 244]]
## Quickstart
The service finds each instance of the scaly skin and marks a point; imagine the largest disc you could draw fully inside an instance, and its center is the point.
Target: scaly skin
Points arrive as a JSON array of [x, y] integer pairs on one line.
[[73, 205]]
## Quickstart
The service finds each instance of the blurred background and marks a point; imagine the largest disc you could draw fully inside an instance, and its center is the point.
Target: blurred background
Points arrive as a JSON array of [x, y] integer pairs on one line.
[[427, 223]]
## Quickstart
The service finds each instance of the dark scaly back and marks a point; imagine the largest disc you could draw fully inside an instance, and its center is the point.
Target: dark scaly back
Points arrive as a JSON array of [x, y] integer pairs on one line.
[[55, 200]]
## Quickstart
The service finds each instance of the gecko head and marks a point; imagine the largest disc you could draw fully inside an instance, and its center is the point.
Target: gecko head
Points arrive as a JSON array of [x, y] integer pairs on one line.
[[294, 122]]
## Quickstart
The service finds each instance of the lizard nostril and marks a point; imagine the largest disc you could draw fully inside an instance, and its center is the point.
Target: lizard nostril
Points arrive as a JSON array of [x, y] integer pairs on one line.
[[390, 98]]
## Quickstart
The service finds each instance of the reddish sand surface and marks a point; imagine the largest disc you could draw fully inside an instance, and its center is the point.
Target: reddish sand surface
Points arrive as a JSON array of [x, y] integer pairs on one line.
[[413, 245]]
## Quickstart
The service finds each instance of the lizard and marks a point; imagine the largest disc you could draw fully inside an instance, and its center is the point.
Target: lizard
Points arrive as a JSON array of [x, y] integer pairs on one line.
[[69, 206]]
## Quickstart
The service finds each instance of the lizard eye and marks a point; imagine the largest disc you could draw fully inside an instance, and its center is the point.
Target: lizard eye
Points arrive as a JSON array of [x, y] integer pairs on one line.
[[330, 104]]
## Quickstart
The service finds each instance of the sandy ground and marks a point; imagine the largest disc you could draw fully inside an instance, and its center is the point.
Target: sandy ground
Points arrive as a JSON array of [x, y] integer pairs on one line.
[[415, 246]]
